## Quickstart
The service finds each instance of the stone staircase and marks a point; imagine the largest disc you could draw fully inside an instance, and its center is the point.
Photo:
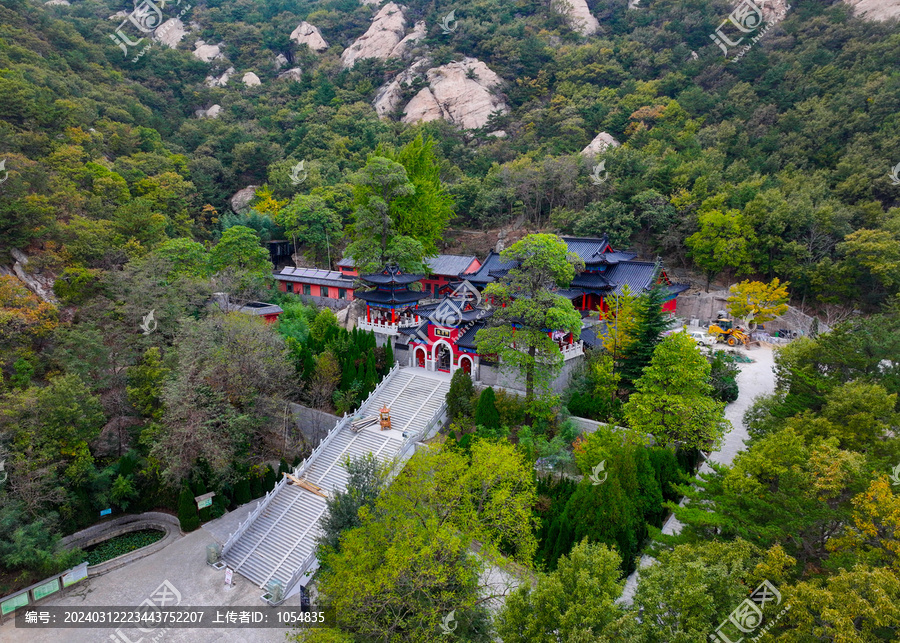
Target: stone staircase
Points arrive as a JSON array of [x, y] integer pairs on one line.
[[278, 539]]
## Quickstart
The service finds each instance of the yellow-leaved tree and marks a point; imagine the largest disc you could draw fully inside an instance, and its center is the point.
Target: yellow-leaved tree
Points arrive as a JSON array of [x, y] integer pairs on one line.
[[758, 302]]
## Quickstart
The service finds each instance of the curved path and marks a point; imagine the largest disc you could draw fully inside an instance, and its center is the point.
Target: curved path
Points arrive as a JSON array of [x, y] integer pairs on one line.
[[754, 380]]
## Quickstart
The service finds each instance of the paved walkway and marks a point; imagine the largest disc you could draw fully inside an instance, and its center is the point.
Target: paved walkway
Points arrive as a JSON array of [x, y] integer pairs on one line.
[[183, 565], [754, 380]]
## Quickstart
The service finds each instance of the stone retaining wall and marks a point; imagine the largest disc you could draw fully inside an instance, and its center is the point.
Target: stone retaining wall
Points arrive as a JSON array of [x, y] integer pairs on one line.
[[125, 525]]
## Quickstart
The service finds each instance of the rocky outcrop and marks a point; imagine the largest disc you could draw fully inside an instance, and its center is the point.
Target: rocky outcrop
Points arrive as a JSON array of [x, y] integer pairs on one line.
[[118, 15], [221, 81], [41, 285], [462, 93], [418, 33], [280, 61], [295, 74], [387, 30], [875, 9], [59, 3], [206, 52], [578, 16], [240, 202], [212, 112], [170, 33], [389, 95], [251, 80], [600, 144], [309, 35]]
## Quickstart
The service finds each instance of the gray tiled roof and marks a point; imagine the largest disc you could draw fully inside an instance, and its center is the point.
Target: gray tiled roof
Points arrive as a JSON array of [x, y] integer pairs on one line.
[[449, 264], [315, 276]]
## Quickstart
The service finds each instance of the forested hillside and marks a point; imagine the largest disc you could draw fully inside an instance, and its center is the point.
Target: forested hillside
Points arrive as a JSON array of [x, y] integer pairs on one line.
[[783, 156]]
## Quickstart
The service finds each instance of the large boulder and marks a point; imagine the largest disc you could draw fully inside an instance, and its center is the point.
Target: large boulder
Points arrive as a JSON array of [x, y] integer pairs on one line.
[[390, 95], [212, 112], [418, 33], [600, 144], [309, 35], [221, 81], [462, 93], [875, 9], [251, 80], [578, 16], [170, 33], [240, 202], [295, 74], [385, 33], [205, 52]]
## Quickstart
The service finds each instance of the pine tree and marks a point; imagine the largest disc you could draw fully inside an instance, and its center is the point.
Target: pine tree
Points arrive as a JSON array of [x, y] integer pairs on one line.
[[187, 510], [271, 479], [459, 397], [371, 375], [649, 325], [242, 492], [388, 356], [487, 414]]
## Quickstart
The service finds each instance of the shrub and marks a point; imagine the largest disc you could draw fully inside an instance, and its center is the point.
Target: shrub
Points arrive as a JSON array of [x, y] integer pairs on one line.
[[271, 479], [459, 397], [187, 510]]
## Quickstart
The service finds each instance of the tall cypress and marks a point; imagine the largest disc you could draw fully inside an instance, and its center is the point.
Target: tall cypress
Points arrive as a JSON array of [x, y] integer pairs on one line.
[[486, 414], [388, 356], [650, 324]]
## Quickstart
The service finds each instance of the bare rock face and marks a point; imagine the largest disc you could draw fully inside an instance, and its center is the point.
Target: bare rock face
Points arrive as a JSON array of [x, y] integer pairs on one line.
[[387, 30], [212, 112], [578, 16], [418, 33], [295, 74], [388, 97], [221, 81], [40, 285], [251, 80], [280, 61], [874, 9], [240, 202], [118, 15], [206, 52], [600, 144], [59, 3], [309, 35], [459, 92], [170, 33]]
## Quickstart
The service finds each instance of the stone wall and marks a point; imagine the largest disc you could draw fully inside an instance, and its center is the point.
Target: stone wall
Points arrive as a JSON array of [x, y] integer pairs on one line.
[[705, 306], [312, 424], [507, 378]]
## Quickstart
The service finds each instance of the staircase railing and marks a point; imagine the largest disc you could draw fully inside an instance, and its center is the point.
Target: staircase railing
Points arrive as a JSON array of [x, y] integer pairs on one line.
[[245, 524]]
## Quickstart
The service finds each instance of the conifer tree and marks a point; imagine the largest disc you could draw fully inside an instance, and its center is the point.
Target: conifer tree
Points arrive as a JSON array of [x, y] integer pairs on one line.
[[187, 510], [650, 323], [459, 397], [388, 357], [486, 414]]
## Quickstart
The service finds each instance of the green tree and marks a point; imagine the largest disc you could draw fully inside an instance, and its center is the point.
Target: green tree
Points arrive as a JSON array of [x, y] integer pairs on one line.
[[145, 384], [528, 307], [239, 249], [642, 333], [724, 240], [419, 534], [309, 221], [459, 397], [375, 240], [187, 258], [366, 477], [486, 413], [574, 602], [423, 214], [673, 401], [187, 510]]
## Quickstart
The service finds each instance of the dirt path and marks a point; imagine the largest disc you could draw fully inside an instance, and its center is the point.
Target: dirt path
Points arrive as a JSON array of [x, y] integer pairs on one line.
[[754, 380]]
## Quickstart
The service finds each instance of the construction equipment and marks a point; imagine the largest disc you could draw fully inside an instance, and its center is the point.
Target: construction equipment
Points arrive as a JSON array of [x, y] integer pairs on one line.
[[724, 331]]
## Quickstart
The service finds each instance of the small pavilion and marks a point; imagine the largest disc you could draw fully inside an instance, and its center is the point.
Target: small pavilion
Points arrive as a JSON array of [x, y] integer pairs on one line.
[[390, 303]]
